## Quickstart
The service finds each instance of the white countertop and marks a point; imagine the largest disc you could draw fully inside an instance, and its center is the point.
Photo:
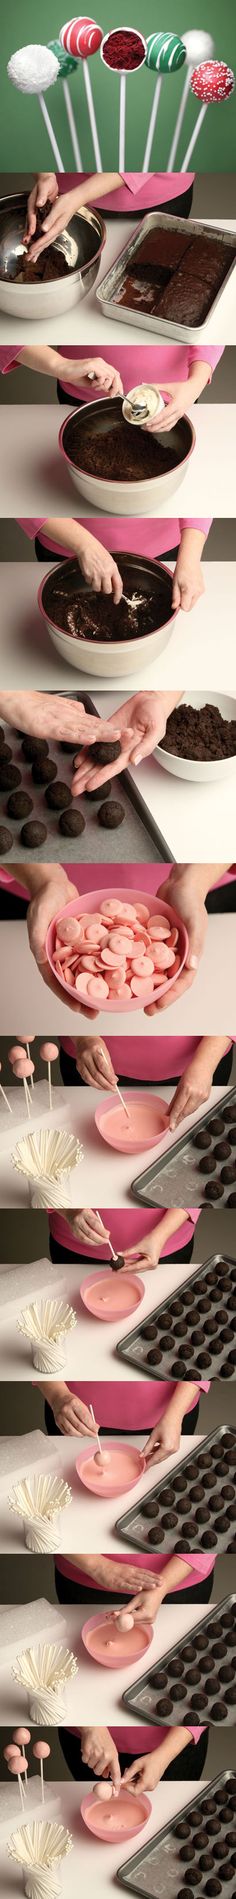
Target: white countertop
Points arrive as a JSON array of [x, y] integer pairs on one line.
[[89, 1519], [96, 1686], [34, 475], [201, 648], [199, 813], [89, 314], [196, 1012], [93, 1864], [91, 1342], [111, 1182]]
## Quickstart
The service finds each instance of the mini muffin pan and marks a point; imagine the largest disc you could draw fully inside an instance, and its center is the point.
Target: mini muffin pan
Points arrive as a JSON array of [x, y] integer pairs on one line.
[[176, 1179], [138, 840], [173, 1517], [193, 1330], [197, 1675], [173, 1864]]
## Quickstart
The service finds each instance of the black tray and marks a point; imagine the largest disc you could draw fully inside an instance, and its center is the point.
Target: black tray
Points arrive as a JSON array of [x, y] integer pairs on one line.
[[156, 1869], [142, 1698], [178, 1183], [134, 1348], [132, 1526]]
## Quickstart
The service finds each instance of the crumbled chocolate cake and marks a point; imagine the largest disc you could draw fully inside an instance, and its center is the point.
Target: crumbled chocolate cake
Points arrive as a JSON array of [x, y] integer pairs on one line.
[[199, 734]]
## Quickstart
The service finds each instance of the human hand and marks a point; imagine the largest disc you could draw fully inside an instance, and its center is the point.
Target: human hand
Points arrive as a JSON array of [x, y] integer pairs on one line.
[[146, 1253], [143, 1774], [148, 1602], [73, 1418], [87, 1227], [99, 1753], [100, 571], [185, 889], [188, 581], [179, 400], [193, 1088], [142, 723], [47, 715], [94, 1063], [51, 891], [45, 187], [115, 1577], [165, 1439], [94, 369]]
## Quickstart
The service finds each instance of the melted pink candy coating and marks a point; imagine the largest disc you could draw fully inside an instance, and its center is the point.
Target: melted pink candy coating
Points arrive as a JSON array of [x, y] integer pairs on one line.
[[114, 1297], [117, 1467], [140, 1125], [123, 1643], [123, 1813]]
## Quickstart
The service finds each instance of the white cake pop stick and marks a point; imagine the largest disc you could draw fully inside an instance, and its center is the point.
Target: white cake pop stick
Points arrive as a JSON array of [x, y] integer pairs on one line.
[[32, 69], [151, 128], [198, 45], [49, 1053], [41, 1750], [96, 1433], [82, 37], [108, 1242], [27, 1039], [22, 1069], [122, 123], [67, 65], [2, 1092], [18, 1766], [91, 113]]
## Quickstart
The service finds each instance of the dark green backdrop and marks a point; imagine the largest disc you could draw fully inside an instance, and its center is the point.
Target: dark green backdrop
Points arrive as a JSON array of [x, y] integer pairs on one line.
[[23, 139]]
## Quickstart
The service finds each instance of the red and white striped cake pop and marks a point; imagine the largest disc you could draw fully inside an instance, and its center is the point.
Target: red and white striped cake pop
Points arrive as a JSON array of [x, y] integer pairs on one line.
[[212, 82], [49, 1053], [82, 38], [41, 1750]]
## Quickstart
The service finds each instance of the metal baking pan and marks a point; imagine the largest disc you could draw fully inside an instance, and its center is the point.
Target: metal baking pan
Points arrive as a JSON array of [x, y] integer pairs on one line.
[[161, 221], [137, 840], [132, 1526], [155, 1870], [133, 1348], [174, 1180], [141, 1698]]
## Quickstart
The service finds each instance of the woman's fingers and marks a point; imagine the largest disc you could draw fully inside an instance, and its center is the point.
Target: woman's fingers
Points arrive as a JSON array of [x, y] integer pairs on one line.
[[172, 995]]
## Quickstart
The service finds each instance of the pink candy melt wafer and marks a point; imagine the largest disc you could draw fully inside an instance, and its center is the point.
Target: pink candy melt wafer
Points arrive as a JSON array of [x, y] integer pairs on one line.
[[142, 966], [97, 988]]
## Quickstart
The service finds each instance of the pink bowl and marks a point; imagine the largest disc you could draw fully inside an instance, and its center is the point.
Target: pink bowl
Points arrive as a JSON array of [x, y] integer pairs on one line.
[[144, 1630], [129, 1284], [160, 1121], [132, 1465], [143, 1805], [91, 902]]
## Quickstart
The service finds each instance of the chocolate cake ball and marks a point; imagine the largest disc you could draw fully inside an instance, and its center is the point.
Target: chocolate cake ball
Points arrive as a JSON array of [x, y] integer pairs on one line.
[[233, 1135], [179, 1484], [58, 796], [206, 1862], [178, 1369], [187, 1851], [104, 752], [203, 1361], [213, 1886], [202, 1640], [176, 1691], [198, 1335], [71, 823], [182, 1830], [217, 1126], [213, 1190], [203, 1139], [9, 776], [208, 1540], [102, 791], [34, 748], [111, 815], [175, 1668], [228, 1173], [230, 1112], [159, 1678], [19, 804], [193, 1676], [148, 1331], [222, 1150], [43, 771], [117, 1263], [226, 1673], [2, 737], [33, 834], [170, 1519], [6, 754], [148, 1509], [164, 1707], [6, 840], [210, 1685], [207, 1164], [156, 1535], [154, 1356]]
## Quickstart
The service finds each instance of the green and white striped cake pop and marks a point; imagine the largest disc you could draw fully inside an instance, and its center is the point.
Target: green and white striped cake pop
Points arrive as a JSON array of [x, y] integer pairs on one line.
[[165, 52]]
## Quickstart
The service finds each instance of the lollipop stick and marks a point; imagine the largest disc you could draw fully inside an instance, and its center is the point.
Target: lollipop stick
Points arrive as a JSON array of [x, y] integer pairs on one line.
[[29, 1058], [5, 1098], [42, 1781], [51, 133], [72, 125], [50, 1086], [91, 113], [27, 1097], [152, 123], [192, 142], [122, 122], [95, 1427], [22, 1797], [123, 1103], [108, 1242], [179, 120]]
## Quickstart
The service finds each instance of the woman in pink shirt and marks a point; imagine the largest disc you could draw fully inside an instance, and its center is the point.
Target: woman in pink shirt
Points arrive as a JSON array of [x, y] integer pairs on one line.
[[141, 1757], [120, 192], [151, 1237], [180, 540], [181, 370]]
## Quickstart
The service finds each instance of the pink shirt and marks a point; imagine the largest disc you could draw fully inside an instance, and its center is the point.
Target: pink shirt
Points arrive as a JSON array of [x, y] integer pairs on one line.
[[140, 191], [200, 1567], [148, 1738], [143, 1405], [151, 538], [123, 1230], [161, 363]]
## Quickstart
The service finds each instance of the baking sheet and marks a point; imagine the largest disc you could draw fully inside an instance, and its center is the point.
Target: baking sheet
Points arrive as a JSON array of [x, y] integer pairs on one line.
[[110, 284], [142, 1697], [156, 1868], [137, 840], [132, 1527], [174, 1179], [135, 1348]]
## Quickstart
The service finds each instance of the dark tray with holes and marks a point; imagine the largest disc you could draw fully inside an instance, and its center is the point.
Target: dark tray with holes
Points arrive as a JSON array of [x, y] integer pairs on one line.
[[173, 1511], [210, 1651], [205, 1825], [175, 1178], [136, 840], [190, 1331]]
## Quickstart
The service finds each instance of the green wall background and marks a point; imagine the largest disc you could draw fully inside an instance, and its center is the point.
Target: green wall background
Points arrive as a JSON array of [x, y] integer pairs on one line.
[[23, 138]]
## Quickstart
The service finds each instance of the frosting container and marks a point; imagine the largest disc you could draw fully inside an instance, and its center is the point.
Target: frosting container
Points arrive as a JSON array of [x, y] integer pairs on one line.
[[124, 1816], [125, 1467], [110, 1646]]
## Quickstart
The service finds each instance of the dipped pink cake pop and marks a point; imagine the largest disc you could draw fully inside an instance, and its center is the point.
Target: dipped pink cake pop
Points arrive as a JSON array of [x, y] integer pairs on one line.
[[27, 1039], [21, 1734], [49, 1053], [82, 38], [18, 1766], [16, 1054], [23, 1070], [10, 1752], [41, 1750]]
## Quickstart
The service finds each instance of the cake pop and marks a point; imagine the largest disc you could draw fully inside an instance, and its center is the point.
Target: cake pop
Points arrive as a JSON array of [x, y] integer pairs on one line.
[[32, 69], [103, 1790], [41, 1750], [82, 37], [123, 50], [23, 1070], [165, 54], [18, 1766], [101, 1457], [198, 46], [23, 1735], [49, 1053], [212, 82], [125, 1621], [2, 1092], [9, 1753], [27, 1039], [67, 65]]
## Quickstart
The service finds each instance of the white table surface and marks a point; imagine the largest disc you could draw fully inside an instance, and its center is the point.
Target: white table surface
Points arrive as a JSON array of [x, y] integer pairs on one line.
[[111, 1184], [89, 1519], [93, 1864], [96, 1687], [92, 1345], [196, 1012], [34, 475], [88, 316], [201, 649]]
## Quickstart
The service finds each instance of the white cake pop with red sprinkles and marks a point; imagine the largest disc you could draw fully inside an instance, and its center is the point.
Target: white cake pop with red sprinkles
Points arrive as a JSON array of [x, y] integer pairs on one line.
[[213, 81]]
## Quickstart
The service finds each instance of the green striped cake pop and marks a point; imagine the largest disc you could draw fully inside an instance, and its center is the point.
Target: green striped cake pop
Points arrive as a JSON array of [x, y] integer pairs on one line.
[[165, 52]]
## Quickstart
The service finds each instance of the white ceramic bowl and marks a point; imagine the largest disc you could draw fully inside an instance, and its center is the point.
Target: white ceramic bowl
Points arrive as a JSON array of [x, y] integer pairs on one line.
[[108, 658], [201, 771], [130, 497]]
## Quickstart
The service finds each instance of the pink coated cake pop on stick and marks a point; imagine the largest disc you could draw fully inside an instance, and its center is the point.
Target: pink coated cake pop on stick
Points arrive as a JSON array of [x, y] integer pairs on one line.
[[10, 1752], [23, 1070], [18, 1766], [82, 38], [49, 1053], [41, 1750], [23, 1735], [27, 1039], [2, 1092], [213, 82]]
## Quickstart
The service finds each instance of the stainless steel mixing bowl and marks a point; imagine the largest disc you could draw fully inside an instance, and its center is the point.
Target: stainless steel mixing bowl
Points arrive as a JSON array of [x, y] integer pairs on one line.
[[81, 242]]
